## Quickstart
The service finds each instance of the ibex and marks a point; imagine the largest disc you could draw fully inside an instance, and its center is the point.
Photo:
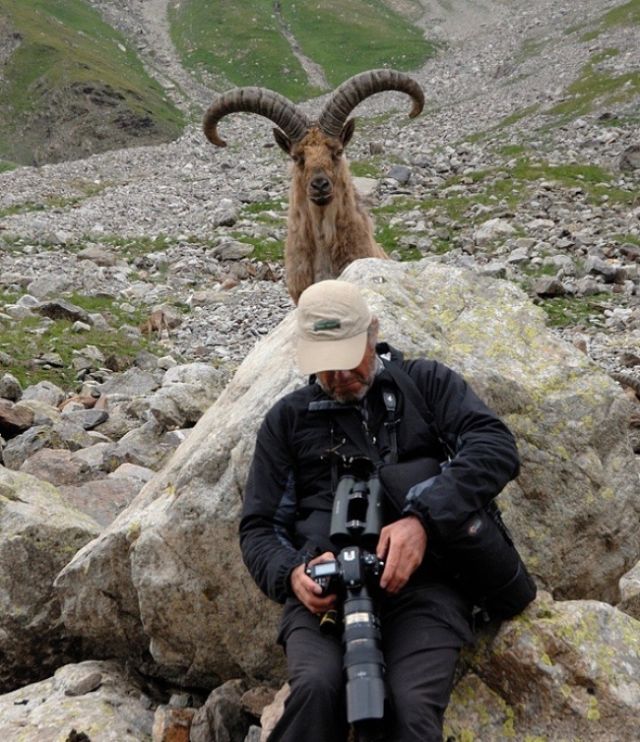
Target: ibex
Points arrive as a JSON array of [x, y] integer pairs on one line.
[[327, 226]]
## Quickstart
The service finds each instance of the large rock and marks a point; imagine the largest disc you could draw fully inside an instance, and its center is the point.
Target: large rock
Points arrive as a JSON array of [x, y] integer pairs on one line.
[[62, 435], [57, 466], [96, 699], [562, 670], [187, 392], [630, 592], [102, 499], [222, 717], [171, 565], [38, 536]]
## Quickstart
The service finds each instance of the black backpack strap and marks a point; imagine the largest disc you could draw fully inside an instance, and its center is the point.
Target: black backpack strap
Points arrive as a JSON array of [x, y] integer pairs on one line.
[[410, 391]]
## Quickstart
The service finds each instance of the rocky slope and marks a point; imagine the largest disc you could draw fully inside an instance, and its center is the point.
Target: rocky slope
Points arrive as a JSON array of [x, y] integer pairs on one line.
[[491, 144], [524, 166]]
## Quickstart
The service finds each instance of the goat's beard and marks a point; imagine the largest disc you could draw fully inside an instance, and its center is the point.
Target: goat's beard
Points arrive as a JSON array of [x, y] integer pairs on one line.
[[321, 200]]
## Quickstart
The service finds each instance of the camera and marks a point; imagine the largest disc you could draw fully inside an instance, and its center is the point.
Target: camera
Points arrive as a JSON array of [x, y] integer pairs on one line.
[[356, 521], [352, 568]]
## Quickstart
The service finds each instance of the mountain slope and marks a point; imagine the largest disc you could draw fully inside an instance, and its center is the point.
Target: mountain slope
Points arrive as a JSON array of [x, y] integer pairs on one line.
[[71, 85], [248, 41]]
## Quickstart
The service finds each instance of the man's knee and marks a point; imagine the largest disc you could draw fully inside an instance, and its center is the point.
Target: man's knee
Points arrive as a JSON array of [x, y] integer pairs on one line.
[[420, 692], [318, 682], [416, 721]]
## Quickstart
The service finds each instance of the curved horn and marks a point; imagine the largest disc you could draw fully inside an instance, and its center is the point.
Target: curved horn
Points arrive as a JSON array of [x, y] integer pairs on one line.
[[264, 102], [357, 88]]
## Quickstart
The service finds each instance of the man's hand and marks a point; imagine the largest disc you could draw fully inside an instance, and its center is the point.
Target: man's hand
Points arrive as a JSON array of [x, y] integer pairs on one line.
[[402, 545], [308, 592]]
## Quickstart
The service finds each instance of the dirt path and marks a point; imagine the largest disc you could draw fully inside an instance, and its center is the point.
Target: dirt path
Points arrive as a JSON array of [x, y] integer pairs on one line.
[[166, 61], [314, 71], [145, 23]]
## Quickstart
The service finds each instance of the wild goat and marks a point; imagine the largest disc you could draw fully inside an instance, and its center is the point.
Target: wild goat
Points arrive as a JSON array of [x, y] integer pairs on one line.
[[327, 227]]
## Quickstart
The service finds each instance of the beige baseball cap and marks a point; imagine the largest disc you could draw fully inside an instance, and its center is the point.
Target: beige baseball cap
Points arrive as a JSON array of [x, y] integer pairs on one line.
[[333, 319]]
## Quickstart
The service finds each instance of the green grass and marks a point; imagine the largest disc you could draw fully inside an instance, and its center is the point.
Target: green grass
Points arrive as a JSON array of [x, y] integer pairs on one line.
[[20, 341], [500, 188], [241, 42], [346, 38], [6, 166], [259, 207], [564, 311], [54, 202], [370, 168], [632, 239], [624, 15], [529, 48], [596, 85], [511, 150], [391, 239], [509, 186], [130, 248], [65, 44], [267, 250]]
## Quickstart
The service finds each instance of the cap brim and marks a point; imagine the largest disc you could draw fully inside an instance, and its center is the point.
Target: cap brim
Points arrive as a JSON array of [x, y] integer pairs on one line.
[[331, 355]]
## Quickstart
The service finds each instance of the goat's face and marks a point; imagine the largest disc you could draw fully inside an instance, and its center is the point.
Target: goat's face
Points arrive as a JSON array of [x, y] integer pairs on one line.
[[318, 161]]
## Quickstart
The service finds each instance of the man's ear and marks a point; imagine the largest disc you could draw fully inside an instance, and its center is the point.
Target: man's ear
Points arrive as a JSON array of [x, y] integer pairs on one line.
[[282, 140], [347, 132]]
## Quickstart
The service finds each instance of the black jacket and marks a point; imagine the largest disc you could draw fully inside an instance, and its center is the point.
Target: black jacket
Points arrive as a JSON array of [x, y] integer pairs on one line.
[[291, 474]]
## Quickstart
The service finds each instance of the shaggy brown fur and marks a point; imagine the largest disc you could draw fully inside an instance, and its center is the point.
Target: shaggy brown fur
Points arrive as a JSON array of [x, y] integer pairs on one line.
[[157, 322], [327, 227]]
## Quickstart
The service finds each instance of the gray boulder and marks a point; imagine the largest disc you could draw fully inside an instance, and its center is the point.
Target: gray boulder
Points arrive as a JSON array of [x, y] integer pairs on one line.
[[63, 434], [38, 536], [182, 592], [101, 499], [44, 391], [10, 387], [187, 392], [222, 717], [14, 419], [630, 592], [491, 230], [57, 466], [134, 382], [97, 699], [562, 670], [149, 445], [62, 309]]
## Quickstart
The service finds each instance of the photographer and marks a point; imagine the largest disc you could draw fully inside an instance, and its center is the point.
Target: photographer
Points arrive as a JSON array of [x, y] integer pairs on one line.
[[342, 423]]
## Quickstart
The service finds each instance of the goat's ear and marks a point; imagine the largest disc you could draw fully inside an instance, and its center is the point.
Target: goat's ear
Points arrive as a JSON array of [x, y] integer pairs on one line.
[[282, 140], [347, 132]]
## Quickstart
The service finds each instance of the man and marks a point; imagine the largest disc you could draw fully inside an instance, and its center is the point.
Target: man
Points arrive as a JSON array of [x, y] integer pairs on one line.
[[342, 422]]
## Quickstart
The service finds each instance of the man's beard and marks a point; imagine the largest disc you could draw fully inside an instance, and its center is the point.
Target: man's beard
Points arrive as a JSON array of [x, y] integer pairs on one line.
[[348, 397]]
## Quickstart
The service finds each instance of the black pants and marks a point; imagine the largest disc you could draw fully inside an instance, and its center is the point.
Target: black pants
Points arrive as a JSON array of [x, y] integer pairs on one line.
[[423, 631]]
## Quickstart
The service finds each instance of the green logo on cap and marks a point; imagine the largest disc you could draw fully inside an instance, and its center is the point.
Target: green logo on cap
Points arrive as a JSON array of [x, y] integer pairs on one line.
[[326, 324]]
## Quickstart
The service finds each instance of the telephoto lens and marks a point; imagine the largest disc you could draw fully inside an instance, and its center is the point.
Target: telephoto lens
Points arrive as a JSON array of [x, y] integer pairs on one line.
[[363, 659]]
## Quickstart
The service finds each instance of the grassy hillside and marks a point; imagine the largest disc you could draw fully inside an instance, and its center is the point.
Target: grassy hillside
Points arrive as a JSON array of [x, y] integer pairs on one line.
[[243, 41], [345, 38], [71, 85]]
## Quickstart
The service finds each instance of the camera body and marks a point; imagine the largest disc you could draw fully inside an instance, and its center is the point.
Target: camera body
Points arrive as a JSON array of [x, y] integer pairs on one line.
[[356, 521], [352, 568]]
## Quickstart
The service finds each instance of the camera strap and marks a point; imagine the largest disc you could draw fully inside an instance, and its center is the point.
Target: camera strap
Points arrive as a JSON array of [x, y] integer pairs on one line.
[[359, 433], [410, 391]]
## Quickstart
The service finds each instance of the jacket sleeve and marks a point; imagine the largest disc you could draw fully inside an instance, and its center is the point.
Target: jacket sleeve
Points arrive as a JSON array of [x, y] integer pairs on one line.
[[482, 450], [269, 510]]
